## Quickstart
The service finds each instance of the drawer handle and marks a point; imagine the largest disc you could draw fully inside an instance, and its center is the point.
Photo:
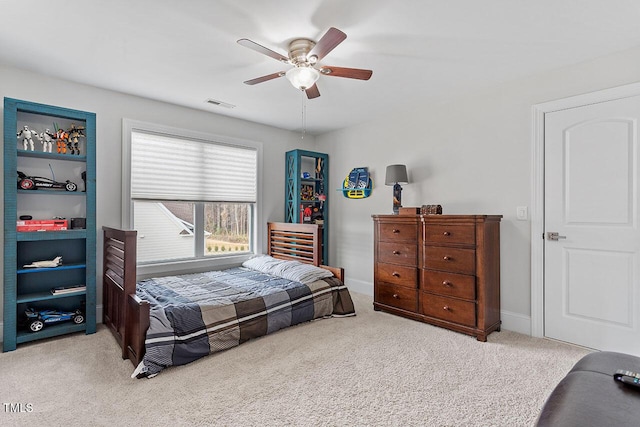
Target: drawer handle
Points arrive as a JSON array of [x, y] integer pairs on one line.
[[395, 274], [396, 252], [446, 307], [447, 283], [395, 296], [395, 231], [446, 233], [447, 258]]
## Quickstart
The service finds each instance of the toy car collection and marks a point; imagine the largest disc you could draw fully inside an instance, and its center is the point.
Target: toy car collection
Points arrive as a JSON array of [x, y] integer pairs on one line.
[[38, 319], [34, 182]]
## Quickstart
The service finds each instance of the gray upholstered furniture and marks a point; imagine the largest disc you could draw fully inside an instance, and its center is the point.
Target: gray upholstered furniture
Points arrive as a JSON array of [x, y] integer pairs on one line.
[[589, 396]]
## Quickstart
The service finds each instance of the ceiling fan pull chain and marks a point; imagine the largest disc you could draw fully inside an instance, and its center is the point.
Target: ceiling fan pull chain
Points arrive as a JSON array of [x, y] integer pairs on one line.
[[304, 113]]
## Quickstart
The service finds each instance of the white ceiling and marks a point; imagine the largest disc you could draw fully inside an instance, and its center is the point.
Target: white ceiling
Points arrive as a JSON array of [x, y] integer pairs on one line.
[[185, 52]]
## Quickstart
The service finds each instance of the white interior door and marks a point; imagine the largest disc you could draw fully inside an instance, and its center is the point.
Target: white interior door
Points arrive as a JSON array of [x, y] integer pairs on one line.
[[591, 289]]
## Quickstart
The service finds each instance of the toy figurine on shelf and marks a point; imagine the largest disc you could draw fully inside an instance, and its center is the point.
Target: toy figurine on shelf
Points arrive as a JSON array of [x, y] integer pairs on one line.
[[75, 133], [56, 262], [27, 137], [46, 138], [306, 192], [61, 141], [306, 215]]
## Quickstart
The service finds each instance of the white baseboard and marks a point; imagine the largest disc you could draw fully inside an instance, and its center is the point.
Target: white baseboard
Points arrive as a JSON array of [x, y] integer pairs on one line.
[[360, 286], [515, 322]]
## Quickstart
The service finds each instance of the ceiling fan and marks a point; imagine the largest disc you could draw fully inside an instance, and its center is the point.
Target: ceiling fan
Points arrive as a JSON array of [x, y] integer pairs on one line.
[[304, 55]]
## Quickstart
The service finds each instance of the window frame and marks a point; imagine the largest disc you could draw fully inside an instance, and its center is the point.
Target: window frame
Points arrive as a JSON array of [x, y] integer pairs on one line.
[[198, 263]]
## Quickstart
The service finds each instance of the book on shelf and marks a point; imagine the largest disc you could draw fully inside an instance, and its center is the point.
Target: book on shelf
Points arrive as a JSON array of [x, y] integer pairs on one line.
[[68, 289]]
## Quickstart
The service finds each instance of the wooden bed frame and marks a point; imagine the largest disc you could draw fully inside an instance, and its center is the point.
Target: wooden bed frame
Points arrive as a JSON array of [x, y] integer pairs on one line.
[[127, 315]]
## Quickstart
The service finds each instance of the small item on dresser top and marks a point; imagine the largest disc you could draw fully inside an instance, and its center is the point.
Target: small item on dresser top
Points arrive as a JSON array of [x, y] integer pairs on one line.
[[25, 217], [57, 261], [409, 211], [431, 210]]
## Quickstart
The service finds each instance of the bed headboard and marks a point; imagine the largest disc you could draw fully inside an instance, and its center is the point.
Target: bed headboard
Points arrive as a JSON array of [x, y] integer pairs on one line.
[[300, 242]]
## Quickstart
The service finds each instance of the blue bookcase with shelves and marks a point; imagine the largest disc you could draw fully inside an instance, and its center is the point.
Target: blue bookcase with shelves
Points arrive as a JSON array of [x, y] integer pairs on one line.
[[306, 188], [60, 158]]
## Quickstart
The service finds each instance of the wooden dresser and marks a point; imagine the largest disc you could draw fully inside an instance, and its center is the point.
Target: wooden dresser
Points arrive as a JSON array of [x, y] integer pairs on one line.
[[439, 269]]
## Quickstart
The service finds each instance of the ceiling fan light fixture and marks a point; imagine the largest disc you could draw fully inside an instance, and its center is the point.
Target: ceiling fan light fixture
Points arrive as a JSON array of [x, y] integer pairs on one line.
[[302, 77]]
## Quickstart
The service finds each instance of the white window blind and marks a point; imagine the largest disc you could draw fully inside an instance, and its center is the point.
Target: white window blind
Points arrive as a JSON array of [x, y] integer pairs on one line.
[[165, 167]]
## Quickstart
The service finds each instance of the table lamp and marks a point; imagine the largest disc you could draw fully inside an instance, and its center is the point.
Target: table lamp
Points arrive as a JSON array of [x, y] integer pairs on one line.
[[396, 175]]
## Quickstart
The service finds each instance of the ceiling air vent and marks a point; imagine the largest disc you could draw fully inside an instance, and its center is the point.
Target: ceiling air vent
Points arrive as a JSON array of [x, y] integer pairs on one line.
[[219, 103]]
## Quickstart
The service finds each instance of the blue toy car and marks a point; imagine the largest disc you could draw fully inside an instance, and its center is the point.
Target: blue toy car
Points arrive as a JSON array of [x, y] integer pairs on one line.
[[38, 319]]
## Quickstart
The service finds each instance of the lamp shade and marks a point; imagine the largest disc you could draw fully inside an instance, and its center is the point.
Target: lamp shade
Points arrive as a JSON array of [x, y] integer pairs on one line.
[[302, 77], [396, 174]]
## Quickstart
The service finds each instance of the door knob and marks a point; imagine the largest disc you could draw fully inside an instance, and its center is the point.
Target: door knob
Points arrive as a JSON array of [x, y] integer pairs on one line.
[[555, 236]]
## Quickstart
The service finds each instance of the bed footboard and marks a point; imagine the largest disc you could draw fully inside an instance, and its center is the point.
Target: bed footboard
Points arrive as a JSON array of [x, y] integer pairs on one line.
[[136, 328], [127, 322]]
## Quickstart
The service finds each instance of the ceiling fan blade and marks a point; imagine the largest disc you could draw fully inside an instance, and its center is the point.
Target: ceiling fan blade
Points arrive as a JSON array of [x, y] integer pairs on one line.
[[261, 49], [332, 38], [313, 92], [265, 78], [350, 73]]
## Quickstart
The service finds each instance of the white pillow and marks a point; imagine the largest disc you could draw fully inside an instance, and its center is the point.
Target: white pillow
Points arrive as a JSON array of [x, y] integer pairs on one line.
[[263, 263], [291, 270], [305, 273]]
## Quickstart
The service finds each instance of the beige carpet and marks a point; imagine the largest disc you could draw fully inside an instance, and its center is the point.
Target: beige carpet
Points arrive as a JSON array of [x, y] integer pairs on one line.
[[374, 369]]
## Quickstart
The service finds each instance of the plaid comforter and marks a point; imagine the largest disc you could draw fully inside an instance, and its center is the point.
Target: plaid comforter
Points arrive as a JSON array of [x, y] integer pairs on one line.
[[197, 314]]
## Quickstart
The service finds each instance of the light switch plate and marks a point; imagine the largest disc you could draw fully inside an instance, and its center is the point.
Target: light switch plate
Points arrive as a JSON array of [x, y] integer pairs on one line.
[[522, 213]]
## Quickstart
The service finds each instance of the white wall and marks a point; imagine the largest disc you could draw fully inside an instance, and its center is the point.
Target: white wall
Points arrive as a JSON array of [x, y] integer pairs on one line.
[[111, 107], [472, 155]]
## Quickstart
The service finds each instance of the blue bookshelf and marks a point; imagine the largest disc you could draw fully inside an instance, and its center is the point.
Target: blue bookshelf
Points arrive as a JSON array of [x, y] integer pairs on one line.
[[306, 190], [31, 287]]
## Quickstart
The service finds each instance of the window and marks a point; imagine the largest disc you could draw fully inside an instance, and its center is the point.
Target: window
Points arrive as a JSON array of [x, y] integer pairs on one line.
[[192, 197]]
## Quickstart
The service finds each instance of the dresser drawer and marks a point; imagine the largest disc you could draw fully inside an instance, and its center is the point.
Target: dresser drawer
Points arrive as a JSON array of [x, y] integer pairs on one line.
[[455, 233], [396, 296], [398, 253], [397, 275], [448, 284], [450, 309], [455, 260], [398, 232]]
